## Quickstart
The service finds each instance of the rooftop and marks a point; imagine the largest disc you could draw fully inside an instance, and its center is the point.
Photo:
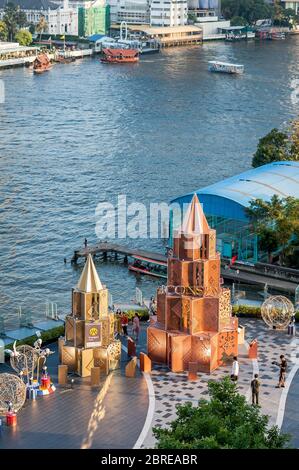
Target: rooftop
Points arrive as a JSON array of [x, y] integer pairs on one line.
[[30, 4], [166, 29], [229, 196]]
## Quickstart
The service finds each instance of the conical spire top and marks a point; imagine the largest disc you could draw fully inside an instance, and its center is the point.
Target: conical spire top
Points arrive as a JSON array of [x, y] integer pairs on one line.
[[89, 280], [195, 222]]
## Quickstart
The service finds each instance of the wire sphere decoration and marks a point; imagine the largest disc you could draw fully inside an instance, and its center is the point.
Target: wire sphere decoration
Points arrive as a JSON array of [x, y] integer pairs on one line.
[[25, 359], [277, 311], [12, 390]]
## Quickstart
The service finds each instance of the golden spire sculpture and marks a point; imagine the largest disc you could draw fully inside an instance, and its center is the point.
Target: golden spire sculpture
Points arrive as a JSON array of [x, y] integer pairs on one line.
[[89, 280], [89, 329]]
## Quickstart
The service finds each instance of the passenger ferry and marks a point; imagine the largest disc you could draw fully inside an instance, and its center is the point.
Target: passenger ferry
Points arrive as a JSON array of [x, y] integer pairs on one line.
[[215, 66], [120, 56]]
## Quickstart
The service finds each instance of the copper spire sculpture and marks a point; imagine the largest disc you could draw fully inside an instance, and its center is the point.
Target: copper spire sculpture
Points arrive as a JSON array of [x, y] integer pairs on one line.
[[194, 322]]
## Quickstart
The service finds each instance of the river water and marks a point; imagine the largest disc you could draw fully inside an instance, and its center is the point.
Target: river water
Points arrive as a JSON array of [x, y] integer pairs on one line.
[[85, 132]]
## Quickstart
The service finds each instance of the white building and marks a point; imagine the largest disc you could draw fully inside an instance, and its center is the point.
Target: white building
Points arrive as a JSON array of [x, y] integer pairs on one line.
[[131, 11], [294, 5], [33, 9], [62, 20], [168, 12]]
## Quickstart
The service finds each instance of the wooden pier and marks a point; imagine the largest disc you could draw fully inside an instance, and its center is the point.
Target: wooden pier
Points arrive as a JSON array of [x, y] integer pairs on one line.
[[239, 273], [105, 248]]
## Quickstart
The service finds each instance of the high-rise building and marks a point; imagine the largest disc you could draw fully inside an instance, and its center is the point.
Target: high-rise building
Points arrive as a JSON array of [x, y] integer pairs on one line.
[[93, 18], [130, 11], [168, 12]]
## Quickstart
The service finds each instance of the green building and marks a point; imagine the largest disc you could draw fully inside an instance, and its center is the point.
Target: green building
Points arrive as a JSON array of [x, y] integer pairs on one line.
[[93, 20]]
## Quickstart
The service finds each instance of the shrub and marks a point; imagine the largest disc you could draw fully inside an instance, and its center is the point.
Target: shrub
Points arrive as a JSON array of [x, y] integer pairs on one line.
[[143, 314], [47, 336]]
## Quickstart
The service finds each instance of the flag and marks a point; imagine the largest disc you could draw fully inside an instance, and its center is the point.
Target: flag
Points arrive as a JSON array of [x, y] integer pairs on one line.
[[233, 260]]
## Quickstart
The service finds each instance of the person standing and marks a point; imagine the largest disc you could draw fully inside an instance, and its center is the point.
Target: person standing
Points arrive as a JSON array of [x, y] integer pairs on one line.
[[124, 323], [85, 242], [282, 371], [136, 326], [255, 389], [235, 369]]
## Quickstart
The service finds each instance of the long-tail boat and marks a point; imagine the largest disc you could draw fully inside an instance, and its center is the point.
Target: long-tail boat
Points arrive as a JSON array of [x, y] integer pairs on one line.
[[42, 63], [120, 56]]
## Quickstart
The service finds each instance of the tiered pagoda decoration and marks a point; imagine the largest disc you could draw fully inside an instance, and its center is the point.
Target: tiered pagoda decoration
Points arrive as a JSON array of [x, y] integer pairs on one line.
[[89, 330], [194, 322]]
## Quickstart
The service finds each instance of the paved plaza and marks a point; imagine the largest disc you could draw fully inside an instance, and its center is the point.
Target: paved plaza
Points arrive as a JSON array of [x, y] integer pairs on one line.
[[123, 411]]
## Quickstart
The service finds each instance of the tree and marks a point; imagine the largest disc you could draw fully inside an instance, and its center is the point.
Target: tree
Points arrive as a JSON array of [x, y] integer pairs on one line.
[[251, 10], [41, 26], [238, 21], [14, 18], [283, 16], [23, 37], [276, 222], [3, 31], [278, 145], [227, 421], [271, 148]]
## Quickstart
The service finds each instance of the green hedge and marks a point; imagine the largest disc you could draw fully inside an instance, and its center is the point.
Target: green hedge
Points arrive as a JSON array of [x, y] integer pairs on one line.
[[47, 337], [52, 335], [143, 314], [252, 312]]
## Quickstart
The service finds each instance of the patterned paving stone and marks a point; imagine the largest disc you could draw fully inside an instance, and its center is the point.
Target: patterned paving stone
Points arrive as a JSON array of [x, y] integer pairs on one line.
[[271, 344]]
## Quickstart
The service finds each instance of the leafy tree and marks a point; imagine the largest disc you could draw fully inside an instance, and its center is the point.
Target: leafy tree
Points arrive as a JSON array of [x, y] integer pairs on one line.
[[41, 26], [283, 16], [14, 18], [238, 21], [271, 148], [278, 145], [276, 222], [268, 241], [227, 421], [23, 37], [251, 10], [32, 28], [192, 17], [294, 139], [3, 31]]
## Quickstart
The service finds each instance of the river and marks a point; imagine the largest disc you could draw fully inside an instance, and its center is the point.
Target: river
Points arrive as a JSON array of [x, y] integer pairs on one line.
[[85, 132]]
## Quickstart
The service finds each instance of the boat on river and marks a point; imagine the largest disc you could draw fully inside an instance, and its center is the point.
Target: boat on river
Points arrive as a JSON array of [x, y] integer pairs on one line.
[[120, 56], [224, 67], [42, 63], [142, 265]]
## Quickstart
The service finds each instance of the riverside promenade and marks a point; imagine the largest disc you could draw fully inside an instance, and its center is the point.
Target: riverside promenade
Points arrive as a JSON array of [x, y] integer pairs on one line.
[[122, 412]]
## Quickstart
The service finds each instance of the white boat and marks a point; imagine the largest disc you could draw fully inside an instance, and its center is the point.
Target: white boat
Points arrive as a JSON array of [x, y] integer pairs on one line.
[[224, 67]]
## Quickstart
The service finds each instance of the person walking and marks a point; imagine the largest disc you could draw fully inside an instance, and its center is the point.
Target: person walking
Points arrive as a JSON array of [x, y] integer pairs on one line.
[[235, 369], [124, 323], [255, 389], [282, 371], [136, 326]]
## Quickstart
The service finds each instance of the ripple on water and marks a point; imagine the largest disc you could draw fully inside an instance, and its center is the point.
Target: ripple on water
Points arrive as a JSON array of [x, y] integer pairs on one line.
[[85, 132]]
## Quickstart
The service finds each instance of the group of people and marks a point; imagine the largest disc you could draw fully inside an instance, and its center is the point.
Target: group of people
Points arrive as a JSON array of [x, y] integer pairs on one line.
[[255, 383], [124, 322]]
